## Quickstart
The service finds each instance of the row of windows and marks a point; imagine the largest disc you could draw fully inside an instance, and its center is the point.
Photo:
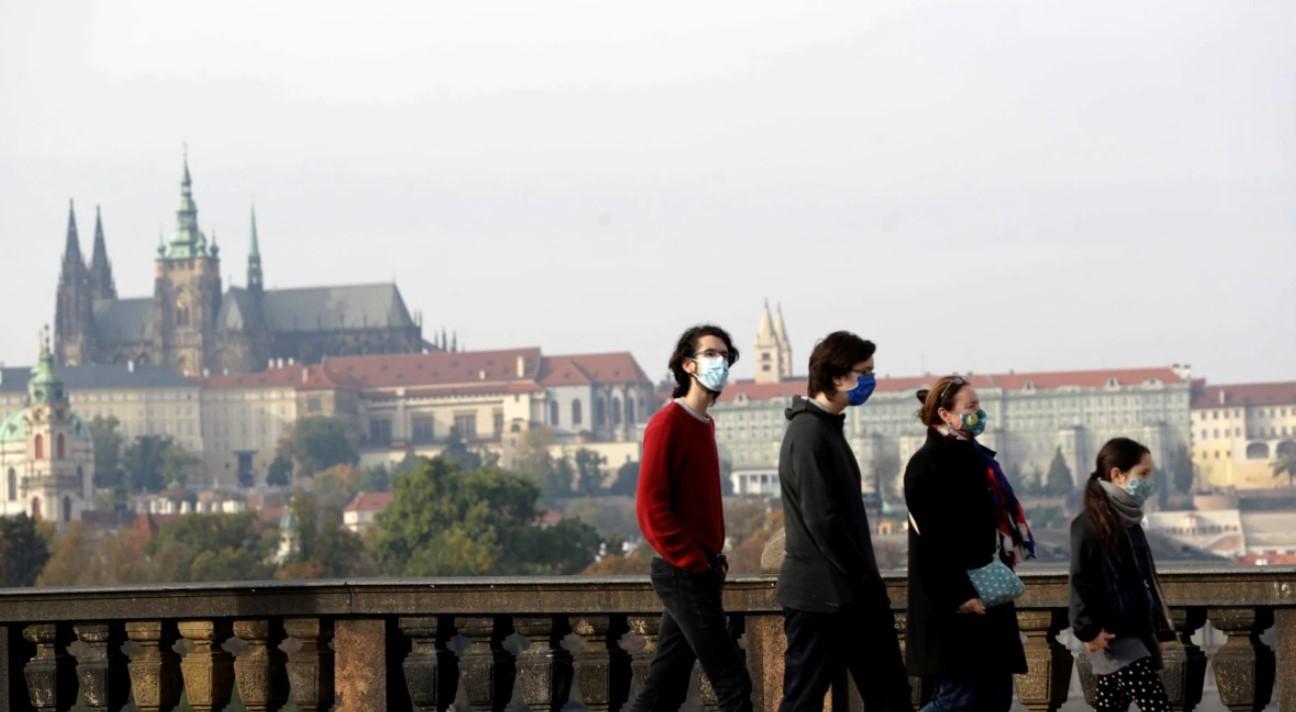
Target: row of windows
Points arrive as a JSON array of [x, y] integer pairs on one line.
[[11, 483], [423, 428], [1285, 431], [618, 412], [1273, 412]]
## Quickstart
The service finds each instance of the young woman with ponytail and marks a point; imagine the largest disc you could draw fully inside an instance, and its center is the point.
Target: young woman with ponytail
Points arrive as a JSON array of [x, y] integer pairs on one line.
[[1117, 609], [963, 516]]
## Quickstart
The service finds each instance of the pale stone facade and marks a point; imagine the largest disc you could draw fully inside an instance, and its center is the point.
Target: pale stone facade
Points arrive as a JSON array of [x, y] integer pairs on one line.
[[1239, 431]]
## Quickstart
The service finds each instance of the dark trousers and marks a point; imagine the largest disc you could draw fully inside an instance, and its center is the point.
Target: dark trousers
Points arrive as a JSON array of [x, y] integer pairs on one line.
[[859, 638], [983, 692], [693, 628]]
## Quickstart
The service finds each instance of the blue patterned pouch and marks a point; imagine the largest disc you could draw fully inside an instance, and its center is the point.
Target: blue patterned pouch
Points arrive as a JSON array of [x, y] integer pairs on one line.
[[996, 583]]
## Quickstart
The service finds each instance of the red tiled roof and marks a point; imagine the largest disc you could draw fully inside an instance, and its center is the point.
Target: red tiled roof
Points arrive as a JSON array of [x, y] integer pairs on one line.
[[370, 502], [396, 370], [582, 369], [1243, 394]]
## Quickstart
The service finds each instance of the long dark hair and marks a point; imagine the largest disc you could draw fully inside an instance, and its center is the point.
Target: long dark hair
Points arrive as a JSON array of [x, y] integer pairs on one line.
[[686, 347], [1121, 454]]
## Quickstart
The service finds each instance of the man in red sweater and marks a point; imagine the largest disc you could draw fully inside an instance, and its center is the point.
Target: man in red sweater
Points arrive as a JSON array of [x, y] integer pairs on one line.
[[682, 518]]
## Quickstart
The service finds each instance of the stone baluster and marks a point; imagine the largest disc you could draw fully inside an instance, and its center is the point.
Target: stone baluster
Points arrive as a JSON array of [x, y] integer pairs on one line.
[[646, 628], [207, 669], [50, 686], [916, 696], [99, 668], [1244, 666], [601, 672], [430, 668], [706, 691], [258, 670], [1044, 687], [485, 667], [1285, 653], [154, 669], [310, 663], [1184, 673], [544, 669]]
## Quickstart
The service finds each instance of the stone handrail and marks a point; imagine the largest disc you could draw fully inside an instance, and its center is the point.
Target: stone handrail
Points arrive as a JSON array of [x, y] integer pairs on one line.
[[377, 644]]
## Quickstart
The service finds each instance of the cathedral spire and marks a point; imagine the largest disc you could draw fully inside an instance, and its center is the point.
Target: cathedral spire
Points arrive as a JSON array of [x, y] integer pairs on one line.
[[101, 277], [72, 249], [765, 331], [255, 280], [187, 242]]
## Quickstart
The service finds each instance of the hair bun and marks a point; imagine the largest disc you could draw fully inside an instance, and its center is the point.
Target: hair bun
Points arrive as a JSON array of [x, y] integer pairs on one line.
[[922, 395]]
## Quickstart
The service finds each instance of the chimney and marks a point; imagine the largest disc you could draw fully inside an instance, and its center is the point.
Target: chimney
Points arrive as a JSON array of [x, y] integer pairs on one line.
[[481, 375], [270, 364], [305, 375], [1222, 398], [521, 367], [130, 365]]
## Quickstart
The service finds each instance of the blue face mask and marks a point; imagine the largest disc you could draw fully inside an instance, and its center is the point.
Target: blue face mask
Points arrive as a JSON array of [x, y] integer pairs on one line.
[[712, 372], [862, 390], [974, 423], [1141, 490]]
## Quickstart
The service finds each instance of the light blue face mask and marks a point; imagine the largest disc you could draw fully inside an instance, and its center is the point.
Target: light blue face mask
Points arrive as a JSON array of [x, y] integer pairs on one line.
[[712, 372], [1141, 489]]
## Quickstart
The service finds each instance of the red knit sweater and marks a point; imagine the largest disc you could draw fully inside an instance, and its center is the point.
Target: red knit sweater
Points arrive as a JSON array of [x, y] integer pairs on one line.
[[678, 501]]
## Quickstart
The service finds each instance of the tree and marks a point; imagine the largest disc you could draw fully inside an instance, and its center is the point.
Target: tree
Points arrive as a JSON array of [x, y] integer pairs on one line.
[[445, 520], [1180, 468], [280, 473], [318, 442], [886, 469], [212, 547], [154, 462], [1285, 464], [456, 451], [25, 550], [627, 479], [589, 471], [325, 548], [1059, 481], [107, 449]]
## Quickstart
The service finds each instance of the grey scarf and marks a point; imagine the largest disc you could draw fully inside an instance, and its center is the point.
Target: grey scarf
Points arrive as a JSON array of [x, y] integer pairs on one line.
[[1129, 510]]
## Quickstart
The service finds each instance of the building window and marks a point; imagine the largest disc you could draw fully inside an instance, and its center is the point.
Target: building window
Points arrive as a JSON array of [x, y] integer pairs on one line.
[[598, 412], [13, 484], [576, 412], [1257, 451], [313, 405], [553, 412], [58, 447], [630, 411], [380, 431], [616, 411], [80, 479], [499, 423], [466, 426], [182, 315], [424, 428], [67, 508], [40, 446]]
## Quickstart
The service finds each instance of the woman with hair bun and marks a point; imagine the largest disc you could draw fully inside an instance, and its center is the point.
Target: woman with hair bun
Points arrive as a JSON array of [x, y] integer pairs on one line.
[[964, 519], [1117, 609]]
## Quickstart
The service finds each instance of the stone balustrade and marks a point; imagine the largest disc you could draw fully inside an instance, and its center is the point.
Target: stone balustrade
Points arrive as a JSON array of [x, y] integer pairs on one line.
[[398, 644]]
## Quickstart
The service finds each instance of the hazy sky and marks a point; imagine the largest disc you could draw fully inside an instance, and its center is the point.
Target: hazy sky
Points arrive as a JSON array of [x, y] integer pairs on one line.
[[974, 185]]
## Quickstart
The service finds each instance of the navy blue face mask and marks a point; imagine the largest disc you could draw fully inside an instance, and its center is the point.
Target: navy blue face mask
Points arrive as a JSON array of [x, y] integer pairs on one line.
[[862, 390]]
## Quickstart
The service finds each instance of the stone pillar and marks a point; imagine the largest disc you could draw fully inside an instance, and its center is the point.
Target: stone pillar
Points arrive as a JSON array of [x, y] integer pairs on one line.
[[646, 629], [600, 677], [153, 667], [310, 663], [99, 668], [430, 668], [485, 667], [1285, 644], [48, 671], [544, 669], [1185, 663], [361, 658], [206, 668], [916, 696], [1244, 666], [259, 669], [1044, 688]]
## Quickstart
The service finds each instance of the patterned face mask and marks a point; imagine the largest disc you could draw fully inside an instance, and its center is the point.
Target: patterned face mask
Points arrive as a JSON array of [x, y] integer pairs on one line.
[[974, 423], [1141, 489]]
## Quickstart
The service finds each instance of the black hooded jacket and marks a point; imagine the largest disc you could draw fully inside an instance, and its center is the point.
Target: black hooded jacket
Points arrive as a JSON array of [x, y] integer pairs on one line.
[[829, 560]]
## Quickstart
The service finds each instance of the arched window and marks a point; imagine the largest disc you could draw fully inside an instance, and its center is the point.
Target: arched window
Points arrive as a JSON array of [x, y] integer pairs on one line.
[[1257, 451], [13, 484], [1286, 447], [67, 509], [40, 447], [598, 412], [576, 412], [630, 411], [58, 447], [35, 508], [80, 479], [616, 410], [182, 314], [553, 412]]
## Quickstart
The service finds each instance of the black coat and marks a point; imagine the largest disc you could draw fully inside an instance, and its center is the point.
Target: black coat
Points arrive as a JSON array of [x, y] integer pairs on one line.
[[829, 558], [948, 496], [1115, 591]]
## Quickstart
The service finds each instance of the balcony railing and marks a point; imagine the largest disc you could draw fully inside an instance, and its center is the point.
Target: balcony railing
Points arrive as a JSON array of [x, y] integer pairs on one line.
[[380, 644]]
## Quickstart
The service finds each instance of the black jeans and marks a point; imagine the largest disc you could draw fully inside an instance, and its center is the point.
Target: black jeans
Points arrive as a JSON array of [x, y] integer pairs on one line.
[[859, 638], [693, 628]]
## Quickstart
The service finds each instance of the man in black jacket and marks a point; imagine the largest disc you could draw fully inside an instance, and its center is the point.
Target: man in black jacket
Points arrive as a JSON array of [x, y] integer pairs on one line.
[[836, 612]]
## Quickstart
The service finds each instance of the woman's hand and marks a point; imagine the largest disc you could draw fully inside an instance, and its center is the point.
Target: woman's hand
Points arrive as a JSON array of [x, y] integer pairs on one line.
[[974, 606], [1100, 642]]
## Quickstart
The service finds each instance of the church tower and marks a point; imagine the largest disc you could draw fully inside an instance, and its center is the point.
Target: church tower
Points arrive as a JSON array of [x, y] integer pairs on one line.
[[785, 345], [186, 290], [773, 351], [74, 308], [101, 276]]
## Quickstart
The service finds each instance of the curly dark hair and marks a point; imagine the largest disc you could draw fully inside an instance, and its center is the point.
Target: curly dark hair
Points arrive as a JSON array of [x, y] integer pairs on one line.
[[686, 347]]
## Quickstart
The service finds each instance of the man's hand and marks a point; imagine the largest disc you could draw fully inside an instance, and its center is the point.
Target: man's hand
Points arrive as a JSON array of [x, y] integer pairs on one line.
[[973, 606], [1100, 643], [723, 562]]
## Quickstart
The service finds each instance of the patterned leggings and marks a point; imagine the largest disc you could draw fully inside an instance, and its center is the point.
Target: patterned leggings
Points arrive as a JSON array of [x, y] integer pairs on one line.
[[1137, 683]]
